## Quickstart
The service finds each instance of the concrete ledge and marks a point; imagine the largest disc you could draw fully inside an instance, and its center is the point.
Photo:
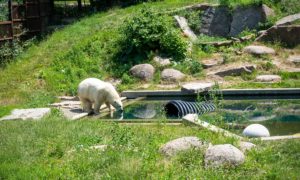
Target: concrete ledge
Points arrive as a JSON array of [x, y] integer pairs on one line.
[[273, 138], [224, 92], [193, 119]]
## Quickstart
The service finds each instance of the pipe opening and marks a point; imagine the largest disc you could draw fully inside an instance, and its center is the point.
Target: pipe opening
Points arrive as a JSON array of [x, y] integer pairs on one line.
[[171, 110]]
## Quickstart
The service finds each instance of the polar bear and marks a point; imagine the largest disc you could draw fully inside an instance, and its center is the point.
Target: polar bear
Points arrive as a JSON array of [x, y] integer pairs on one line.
[[94, 91]]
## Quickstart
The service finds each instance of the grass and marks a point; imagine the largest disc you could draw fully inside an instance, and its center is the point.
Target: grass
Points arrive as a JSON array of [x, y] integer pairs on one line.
[[54, 148]]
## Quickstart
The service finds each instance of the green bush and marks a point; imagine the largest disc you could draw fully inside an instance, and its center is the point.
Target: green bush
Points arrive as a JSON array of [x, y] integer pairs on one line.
[[148, 32], [189, 66]]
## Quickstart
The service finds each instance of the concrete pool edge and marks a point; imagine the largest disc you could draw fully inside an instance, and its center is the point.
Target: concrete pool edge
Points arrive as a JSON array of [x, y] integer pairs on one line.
[[132, 94]]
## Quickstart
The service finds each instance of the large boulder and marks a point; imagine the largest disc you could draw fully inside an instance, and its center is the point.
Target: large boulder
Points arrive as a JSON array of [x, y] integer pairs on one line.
[[268, 78], [171, 148], [284, 30], [235, 70], [258, 50], [256, 130], [225, 154], [216, 21], [245, 18], [27, 114], [143, 71], [172, 75], [289, 35]]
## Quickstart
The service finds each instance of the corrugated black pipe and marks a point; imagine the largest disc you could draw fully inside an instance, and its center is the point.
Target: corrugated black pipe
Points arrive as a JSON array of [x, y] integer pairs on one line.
[[181, 108]]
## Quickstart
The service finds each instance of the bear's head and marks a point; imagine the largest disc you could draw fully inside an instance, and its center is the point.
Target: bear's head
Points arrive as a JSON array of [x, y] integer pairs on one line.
[[117, 104]]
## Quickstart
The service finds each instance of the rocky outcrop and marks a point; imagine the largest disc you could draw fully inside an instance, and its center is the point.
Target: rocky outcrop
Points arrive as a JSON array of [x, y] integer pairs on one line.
[[219, 21], [175, 146], [225, 154], [245, 18], [268, 78], [172, 75], [143, 71], [216, 21], [284, 30], [235, 70], [259, 50]]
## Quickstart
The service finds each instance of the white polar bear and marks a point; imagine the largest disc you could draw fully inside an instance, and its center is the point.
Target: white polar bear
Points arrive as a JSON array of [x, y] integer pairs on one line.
[[94, 91]]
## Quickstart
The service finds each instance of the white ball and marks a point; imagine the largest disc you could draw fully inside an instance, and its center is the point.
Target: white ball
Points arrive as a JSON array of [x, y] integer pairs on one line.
[[256, 130]]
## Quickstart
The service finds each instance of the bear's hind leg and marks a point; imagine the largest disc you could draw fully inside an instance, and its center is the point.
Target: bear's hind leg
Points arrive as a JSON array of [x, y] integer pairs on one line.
[[97, 106]]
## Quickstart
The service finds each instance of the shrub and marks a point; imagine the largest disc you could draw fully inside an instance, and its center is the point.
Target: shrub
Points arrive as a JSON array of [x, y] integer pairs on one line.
[[148, 32]]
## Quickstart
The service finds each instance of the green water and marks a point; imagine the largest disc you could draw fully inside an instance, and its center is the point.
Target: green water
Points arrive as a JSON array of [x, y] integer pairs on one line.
[[281, 117]]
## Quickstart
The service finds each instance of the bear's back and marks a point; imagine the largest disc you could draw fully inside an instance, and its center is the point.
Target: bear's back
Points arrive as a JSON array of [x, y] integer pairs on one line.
[[90, 86]]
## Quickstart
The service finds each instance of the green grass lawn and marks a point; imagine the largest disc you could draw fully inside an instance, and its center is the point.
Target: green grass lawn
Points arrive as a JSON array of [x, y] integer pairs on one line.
[[55, 148]]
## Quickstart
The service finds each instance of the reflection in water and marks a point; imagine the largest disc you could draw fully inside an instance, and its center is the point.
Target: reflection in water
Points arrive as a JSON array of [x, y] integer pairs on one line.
[[145, 111]]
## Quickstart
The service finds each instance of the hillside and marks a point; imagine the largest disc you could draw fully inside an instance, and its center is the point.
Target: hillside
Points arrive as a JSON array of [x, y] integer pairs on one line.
[[84, 49]]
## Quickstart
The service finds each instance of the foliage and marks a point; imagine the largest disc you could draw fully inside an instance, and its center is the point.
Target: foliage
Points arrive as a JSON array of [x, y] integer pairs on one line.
[[147, 31], [3, 10], [11, 50], [189, 66], [193, 18]]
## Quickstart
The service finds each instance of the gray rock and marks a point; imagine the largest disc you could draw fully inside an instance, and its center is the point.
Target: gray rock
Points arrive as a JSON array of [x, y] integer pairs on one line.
[[267, 12], [295, 59], [196, 87], [183, 24], [256, 130], [143, 71], [289, 35], [27, 114], [181, 144], [236, 71], [208, 63], [162, 61], [259, 50], [216, 21], [268, 78], [224, 154], [284, 31], [172, 75], [246, 146], [288, 20], [245, 18]]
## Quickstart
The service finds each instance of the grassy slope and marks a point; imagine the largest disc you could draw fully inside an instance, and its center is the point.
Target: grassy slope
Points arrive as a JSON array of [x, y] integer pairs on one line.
[[40, 150], [35, 74]]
